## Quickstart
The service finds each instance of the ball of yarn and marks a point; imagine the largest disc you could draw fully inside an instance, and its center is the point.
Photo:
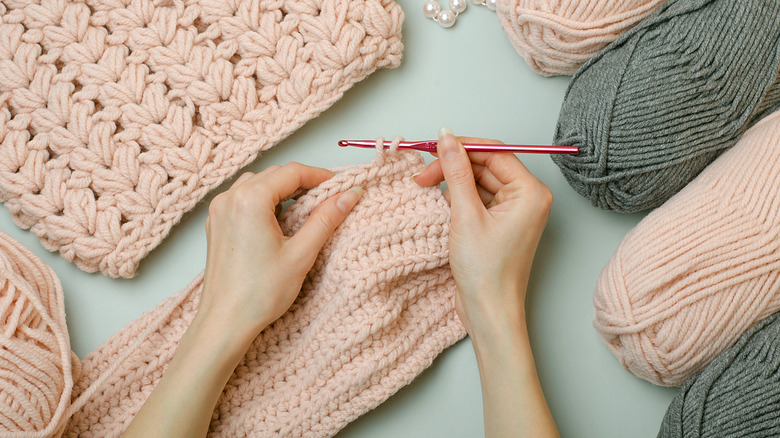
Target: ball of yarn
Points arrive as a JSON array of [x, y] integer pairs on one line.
[[36, 364], [556, 37], [698, 271], [737, 395], [653, 109]]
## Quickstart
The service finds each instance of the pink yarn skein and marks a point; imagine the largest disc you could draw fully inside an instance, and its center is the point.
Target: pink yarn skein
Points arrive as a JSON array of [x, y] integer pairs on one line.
[[375, 310], [556, 37], [36, 364], [701, 269], [118, 116]]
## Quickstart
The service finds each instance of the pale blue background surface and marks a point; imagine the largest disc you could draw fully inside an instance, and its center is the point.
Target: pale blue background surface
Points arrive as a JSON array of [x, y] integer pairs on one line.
[[470, 79]]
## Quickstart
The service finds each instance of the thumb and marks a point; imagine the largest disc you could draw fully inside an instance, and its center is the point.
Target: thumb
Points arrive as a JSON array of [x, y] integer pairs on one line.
[[323, 221], [456, 167]]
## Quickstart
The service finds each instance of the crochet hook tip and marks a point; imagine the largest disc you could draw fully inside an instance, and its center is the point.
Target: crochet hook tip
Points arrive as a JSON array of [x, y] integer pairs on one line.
[[343, 143]]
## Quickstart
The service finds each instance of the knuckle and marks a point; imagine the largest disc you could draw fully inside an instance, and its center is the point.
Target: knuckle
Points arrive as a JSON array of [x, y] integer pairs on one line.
[[294, 166], [461, 175], [327, 222], [216, 204], [243, 200], [542, 197]]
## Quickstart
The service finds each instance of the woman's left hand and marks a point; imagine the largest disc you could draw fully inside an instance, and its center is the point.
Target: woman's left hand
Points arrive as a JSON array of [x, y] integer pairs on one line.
[[253, 271], [253, 274]]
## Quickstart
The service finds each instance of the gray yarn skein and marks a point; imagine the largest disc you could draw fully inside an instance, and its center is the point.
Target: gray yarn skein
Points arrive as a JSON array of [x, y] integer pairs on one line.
[[654, 108], [737, 395]]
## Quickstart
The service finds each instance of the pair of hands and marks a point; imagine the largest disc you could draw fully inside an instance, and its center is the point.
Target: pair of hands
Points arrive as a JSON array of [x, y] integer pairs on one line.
[[254, 272]]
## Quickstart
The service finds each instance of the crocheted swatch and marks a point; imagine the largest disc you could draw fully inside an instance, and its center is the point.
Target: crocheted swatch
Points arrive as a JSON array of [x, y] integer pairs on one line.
[[556, 37], [701, 269], [117, 116], [658, 105], [375, 310]]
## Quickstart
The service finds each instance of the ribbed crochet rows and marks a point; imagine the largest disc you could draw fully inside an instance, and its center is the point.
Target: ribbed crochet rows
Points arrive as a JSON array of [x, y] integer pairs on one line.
[[556, 37], [699, 270], [117, 116], [376, 309]]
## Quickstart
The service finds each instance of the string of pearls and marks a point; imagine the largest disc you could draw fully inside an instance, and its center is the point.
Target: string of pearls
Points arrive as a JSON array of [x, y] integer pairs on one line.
[[446, 17]]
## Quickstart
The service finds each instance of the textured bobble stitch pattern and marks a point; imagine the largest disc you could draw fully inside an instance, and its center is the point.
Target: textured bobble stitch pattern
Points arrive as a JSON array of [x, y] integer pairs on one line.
[[117, 116]]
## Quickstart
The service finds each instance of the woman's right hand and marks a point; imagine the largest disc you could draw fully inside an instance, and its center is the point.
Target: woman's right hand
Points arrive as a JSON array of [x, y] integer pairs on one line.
[[499, 210]]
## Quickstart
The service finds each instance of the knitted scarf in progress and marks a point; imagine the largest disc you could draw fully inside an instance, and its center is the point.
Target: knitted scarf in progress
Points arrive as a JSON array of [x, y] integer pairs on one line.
[[376, 309], [117, 116]]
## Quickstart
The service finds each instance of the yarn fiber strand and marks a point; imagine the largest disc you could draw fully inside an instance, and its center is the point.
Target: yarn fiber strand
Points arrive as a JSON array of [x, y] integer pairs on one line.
[[375, 310], [556, 37], [658, 105], [118, 116], [698, 271], [738, 394], [36, 364]]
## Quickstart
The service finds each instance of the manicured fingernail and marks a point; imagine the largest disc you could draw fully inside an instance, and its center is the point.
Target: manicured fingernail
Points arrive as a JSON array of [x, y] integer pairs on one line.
[[444, 131], [448, 145], [349, 199]]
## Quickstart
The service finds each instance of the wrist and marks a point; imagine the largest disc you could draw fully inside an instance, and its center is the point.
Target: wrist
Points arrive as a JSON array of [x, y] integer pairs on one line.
[[493, 311], [500, 328], [223, 334]]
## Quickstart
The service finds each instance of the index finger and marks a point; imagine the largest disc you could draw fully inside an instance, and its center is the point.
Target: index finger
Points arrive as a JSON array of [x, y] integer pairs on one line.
[[503, 165], [284, 181]]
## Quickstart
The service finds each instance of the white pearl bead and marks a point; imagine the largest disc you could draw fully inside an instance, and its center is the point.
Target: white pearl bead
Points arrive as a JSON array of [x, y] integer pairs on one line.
[[478, 2], [491, 4], [431, 8], [446, 18], [458, 6]]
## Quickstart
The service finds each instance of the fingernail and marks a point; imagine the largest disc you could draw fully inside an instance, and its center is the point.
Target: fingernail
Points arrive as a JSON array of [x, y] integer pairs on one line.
[[448, 145], [349, 199], [444, 131]]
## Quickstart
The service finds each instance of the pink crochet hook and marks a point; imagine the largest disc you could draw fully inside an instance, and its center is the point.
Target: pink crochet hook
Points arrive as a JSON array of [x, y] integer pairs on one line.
[[430, 146]]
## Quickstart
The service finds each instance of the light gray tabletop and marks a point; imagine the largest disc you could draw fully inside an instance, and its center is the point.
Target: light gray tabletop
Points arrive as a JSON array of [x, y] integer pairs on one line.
[[470, 79]]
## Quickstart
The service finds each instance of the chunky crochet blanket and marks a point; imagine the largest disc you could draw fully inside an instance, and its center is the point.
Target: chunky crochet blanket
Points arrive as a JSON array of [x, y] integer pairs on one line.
[[117, 116], [376, 309]]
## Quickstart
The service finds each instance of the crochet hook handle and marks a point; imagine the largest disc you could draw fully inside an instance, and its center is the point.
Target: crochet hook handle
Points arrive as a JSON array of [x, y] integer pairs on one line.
[[430, 146]]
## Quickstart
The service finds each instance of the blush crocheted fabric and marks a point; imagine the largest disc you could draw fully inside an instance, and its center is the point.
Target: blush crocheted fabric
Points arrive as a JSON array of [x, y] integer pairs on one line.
[[117, 116], [376, 309]]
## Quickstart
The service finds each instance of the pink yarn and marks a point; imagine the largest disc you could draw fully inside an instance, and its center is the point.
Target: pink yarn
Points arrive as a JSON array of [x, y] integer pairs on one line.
[[36, 373], [556, 37], [117, 116], [701, 269], [376, 309]]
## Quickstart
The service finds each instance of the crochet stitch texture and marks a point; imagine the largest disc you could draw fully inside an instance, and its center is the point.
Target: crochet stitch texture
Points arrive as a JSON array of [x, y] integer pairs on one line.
[[117, 116], [375, 310]]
